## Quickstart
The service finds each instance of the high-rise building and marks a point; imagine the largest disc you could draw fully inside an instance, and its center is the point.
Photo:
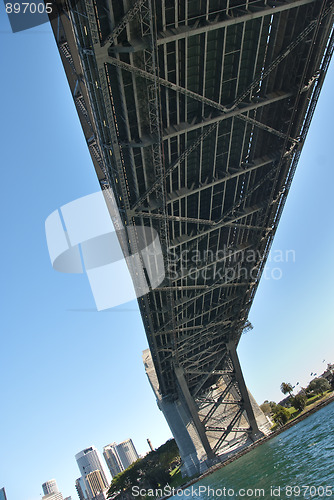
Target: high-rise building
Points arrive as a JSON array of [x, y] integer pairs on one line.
[[88, 461], [120, 456], [101, 496], [3, 494], [51, 491], [127, 453], [95, 482], [112, 459], [53, 496], [50, 487], [80, 487]]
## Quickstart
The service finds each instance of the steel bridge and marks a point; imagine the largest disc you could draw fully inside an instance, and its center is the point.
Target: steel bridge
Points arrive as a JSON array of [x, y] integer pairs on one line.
[[195, 113]]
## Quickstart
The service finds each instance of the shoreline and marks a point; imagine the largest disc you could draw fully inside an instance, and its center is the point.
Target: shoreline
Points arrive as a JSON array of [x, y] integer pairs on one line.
[[273, 434]]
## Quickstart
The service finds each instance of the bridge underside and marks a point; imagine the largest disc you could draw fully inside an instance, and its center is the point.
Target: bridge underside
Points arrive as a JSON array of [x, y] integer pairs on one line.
[[195, 113]]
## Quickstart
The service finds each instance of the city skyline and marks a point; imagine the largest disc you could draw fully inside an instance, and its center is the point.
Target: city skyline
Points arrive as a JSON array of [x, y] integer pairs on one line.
[[50, 320]]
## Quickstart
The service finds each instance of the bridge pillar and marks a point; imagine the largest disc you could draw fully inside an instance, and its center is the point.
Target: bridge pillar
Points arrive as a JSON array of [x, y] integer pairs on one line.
[[223, 419], [193, 411], [255, 432]]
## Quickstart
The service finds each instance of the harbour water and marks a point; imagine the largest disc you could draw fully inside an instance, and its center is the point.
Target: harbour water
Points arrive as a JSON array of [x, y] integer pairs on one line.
[[299, 463]]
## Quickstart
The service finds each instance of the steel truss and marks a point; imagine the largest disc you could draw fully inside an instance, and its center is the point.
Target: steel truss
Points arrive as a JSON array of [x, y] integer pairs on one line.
[[193, 95], [248, 15], [220, 426]]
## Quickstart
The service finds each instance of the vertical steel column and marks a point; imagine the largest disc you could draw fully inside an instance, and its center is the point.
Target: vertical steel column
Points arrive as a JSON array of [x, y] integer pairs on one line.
[[256, 433], [193, 411]]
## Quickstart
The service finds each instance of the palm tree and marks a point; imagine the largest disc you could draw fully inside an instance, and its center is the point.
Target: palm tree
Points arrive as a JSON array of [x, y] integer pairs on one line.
[[286, 388]]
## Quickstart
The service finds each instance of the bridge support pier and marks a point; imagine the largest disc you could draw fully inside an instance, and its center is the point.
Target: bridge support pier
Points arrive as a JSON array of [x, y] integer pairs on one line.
[[210, 426], [255, 432], [194, 412]]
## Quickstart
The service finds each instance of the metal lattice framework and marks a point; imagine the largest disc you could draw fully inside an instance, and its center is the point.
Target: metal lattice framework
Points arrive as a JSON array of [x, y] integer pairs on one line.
[[195, 113]]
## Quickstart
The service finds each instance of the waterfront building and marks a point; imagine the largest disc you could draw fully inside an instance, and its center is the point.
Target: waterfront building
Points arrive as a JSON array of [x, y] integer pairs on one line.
[[50, 487], [101, 496], [88, 461], [80, 487], [120, 456], [112, 459], [127, 453], [53, 496], [95, 482]]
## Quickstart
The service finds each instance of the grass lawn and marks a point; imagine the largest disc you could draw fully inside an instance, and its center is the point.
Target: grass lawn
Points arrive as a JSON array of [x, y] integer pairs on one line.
[[311, 403], [177, 479], [293, 412]]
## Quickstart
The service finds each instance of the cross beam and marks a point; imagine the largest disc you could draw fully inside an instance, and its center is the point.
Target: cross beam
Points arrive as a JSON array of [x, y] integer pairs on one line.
[[131, 13], [188, 31], [191, 220], [182, 128], [218, 224], [223, 220], [208, 375], [176, 163], [275, 63], [176, 218], [244, 169], [189, 93]]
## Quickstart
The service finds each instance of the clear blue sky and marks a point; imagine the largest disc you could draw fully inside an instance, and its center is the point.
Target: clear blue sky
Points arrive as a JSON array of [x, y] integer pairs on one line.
[[72, 377]]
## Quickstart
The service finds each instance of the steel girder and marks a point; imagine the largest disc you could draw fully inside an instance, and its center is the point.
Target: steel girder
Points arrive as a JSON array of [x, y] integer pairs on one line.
[[193, 95], [189, 31]]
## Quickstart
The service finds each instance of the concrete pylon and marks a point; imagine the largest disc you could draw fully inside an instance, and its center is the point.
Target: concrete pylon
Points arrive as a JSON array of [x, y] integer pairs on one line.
[[224, 418]]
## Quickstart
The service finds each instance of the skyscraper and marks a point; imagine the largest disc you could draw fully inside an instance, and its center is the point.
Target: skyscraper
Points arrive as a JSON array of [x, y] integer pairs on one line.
[[112, 459], [88, 461], [51, 491], [50, 487], [120, 456], [3, 494], [53, 496], [95, 482], [80, 487], [127, 453]]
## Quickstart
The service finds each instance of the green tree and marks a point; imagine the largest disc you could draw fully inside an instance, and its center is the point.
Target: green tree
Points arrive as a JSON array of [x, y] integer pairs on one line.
[[272, 406], [286, 388], [299, 401], [152, 471], [281, 415], [331, 381], [125, 480], [318, 385], [266, 408]]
